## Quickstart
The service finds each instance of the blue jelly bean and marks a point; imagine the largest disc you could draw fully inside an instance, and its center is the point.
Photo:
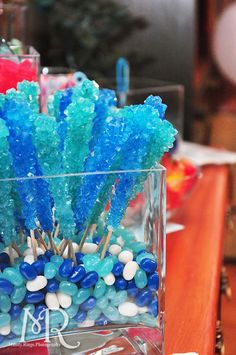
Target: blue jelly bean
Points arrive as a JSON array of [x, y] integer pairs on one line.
[[15, 311], [39, 266], [90, 303], [153, 281], [79, 257], [4, 258], [11, 336], [6, 286], [120, 283], [39, 312], [48, 254], [34, 297], [89, 280], [80, 317], [102, 320], [52, 285], [132, 289], [148, 265], [3, 266], [143, 298], [43, 258], [118, 269], [96, 240], [153, 308], [141, 251], [66, 268], [78, 274], [28, 271], [2, 338]]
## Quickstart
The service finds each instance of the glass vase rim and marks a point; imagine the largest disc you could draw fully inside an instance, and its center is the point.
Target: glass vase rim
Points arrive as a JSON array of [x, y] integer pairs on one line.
[[34, 54]]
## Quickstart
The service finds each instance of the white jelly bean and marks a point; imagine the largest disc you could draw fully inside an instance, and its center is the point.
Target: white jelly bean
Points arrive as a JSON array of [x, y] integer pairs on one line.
[[52, 301], [109, 279], [29, 242], [39, 251], [37, 284], [28, 251], [120, 241], [64, 300], [89, 248], [75, 247], [115, 249], [5, 330], [142, 310], [87, 323], [130, 270], [14, 253], [125, 256], [29, 259], [128, 309]]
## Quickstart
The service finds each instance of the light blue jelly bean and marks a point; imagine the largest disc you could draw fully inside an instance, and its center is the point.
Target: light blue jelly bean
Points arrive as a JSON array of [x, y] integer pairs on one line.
[[50, 270], [140, 279], [142, 256], [72, 310], [55, 318], [91, 261], [134, 319], [105, 266], [99, 289], [57, 260], [5, 303], [114, 258], [4, 319], [149, 320], [111, 313], [137, 246], [6, 286], [94, 313], [13, 275], [68, 287], [122, 320], [18, 294], [111, 292], [121, 297], [72, 324], [82, 295], [16, 326], [102, 302], [28, 307]]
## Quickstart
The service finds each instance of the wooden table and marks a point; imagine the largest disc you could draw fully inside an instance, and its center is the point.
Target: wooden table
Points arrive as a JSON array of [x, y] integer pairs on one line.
[[194, 258]]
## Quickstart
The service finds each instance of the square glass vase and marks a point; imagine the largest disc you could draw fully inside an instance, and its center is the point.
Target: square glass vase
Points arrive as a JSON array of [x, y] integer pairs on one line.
[[108, 273]]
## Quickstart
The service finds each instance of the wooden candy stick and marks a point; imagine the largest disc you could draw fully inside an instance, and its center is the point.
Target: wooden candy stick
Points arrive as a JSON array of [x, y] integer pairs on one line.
[[33, 244], [55, 247], [11, 254], [61, 244], [83, 238], [63, 247], [72, 252], [51, 241], [100, 243], [15, 246], [22, 236], [107, 240], [56, 233], [93, 228]]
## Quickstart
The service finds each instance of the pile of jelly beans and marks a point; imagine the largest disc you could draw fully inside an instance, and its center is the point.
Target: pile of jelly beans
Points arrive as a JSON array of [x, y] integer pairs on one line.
[[120, 289]]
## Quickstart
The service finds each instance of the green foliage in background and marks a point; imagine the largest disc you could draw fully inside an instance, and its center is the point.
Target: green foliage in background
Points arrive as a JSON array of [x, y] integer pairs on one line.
[[86, 34]]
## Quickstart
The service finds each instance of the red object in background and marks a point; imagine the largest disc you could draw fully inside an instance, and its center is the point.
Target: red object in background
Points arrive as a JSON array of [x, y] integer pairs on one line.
[[11, 73]]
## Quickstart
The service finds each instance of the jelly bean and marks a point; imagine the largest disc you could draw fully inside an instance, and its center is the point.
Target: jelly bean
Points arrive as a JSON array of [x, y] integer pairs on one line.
[[37, 284], [13, 275], [2, 338], [140, 279], [80, 316], [115, 249], [28, 271], [89, 248], [27, 308], [143, 298], [130, 270], [125, 256], [99, 289], [102, 303], [128, 309], [105, 266], [81, 296], [72, 310], [11, 336], [142, 310], [34, 297], [39, 266], [64, 300], [3, 266], [153, 308], [18, 294], [90, 303], [50, 270], [102, 320], [16, 327], [94, 313], [48, 254], [141, 251], [89, 280], [120, 297], [111, 292], [145, 255], [91, 262], [115, 259], [55, 318], [4, 258], [97, 240], [6, 286], [43, 258], [5, 303], [109, 279], [72, 324], [51, 301], [148, 265], [122, 319], [52, 285], [57, 259], [39, 312], [111, 313], [77, 274], [15, 311], [137, 246], [153, 281], [66, 268], [5, 330], [118, 269], [148, 320], [68, 287], [134, 320], [120, 283], [79, 257], [29, 259]]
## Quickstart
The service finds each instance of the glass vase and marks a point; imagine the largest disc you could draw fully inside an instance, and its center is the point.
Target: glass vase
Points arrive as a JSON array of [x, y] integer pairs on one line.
[[120, 249]]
